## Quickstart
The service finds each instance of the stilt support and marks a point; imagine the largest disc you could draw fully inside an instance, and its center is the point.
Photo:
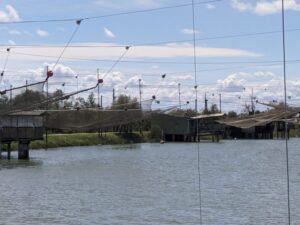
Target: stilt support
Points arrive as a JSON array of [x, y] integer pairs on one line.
[[23, 150]]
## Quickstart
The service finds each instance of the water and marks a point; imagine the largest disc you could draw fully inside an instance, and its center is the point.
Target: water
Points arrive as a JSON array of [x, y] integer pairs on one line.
[[243, 183]]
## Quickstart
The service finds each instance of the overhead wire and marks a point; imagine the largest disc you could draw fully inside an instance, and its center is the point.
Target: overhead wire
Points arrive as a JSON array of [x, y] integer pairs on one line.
[[110, 15], [5, 62], [196, 110], [78, 22], [285, 111]]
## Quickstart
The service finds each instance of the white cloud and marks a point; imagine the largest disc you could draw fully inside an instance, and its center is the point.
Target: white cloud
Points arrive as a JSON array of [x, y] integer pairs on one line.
[[42, 33], [143, 52], [189, 31], [108, 33], [10, 14], [210, 6], [128, 4], [11, 42], [232, 83], [265, 7], [14, 32]]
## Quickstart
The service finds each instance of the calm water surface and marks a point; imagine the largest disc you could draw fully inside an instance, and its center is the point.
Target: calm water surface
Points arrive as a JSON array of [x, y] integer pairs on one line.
[[243, 183]]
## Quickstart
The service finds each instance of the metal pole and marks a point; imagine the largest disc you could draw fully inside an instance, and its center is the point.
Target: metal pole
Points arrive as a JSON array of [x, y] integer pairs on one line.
[[196, 99], [220, 97], [114, 97], [101, 103], [140, 93], [98, 88], [179, 93], [205, 102], [10, 94], [285, 111], [77, 86], [252, 104]]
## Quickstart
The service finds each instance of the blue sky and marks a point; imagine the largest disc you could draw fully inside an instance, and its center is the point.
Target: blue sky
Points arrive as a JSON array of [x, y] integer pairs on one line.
[[230, 66]]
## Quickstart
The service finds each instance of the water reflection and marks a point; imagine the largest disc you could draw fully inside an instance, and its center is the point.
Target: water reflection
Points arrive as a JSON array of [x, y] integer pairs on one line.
[[16, 164]]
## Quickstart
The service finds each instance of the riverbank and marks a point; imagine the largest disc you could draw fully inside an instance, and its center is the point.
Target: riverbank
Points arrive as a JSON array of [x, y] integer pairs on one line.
[[88, 139]]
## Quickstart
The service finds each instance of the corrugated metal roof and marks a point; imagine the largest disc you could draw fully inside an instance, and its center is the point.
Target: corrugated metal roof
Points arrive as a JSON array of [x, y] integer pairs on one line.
[[215, 115], [29, 113]]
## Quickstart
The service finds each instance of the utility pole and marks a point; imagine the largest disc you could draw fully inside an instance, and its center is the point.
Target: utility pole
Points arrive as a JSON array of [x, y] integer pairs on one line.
[[76, 86], [220, 98], [205, 103], [98, 88], [252, 104], [101, 105], [196, 98], [179, 95], [10, 94], [114, 95], [140, 93]]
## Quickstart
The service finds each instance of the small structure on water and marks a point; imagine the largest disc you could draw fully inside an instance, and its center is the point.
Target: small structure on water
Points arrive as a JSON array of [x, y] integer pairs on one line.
[[187, 129], [22, 127]]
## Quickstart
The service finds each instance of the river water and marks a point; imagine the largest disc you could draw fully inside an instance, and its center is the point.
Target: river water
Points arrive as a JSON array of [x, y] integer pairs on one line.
[[242, 183]]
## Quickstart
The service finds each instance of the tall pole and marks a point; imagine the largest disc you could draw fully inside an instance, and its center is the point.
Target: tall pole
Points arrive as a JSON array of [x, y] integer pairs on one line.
[[114, 95], [98, 88], [196, 99], [101, 102], [77, 86], [285, 110], [10, 97], [140, 93], [205, 102], [252, 104], [179, 95], [220, 98]]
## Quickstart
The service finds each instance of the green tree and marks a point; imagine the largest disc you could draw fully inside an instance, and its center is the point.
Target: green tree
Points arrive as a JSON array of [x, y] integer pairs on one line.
[[125, 102], [232, 114], [91, 101], [57, 94], [28, 98], [4, 102], [214, 109]]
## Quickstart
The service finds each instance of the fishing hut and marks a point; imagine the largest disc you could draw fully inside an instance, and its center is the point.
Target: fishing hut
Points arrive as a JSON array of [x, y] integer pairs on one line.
[[187, 129], [22, 127]]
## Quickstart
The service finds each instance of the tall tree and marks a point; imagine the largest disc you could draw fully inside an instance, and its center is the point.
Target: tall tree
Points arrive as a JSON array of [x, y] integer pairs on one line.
[[125, 102]]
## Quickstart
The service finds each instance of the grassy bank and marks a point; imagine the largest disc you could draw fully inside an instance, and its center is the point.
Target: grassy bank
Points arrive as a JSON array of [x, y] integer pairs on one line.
[[88, 139]]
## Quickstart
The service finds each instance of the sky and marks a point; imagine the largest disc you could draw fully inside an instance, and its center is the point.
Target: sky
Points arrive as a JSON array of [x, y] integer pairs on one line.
[[238, 49]]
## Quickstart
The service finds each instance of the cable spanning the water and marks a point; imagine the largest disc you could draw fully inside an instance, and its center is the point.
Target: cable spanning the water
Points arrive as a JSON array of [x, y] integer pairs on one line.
[[5, 62], [285, 111], [196, 107], [117, 61], [111, 15], [78, 22]]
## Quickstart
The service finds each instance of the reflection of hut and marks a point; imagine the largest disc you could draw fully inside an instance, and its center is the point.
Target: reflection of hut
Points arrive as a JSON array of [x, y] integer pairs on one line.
[[176, 128]]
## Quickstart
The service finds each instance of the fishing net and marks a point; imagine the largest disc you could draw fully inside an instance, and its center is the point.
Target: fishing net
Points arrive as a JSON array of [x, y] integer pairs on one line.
[[14, 98], [90, 119]]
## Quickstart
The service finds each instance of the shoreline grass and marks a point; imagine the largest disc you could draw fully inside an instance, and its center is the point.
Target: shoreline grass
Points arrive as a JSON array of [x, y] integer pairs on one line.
[[87, 139]]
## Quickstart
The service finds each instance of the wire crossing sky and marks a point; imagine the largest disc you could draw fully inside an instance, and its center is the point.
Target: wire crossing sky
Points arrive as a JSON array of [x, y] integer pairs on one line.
[[238, 48]]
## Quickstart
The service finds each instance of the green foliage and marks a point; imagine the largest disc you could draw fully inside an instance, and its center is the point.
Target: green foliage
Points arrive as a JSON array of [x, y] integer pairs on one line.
[[57, 94], [155, 132], [125, 102], [86, 139], [28, 98], [91, 101], [213, 109], [183, 112], [232, 114], [4, 102]]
